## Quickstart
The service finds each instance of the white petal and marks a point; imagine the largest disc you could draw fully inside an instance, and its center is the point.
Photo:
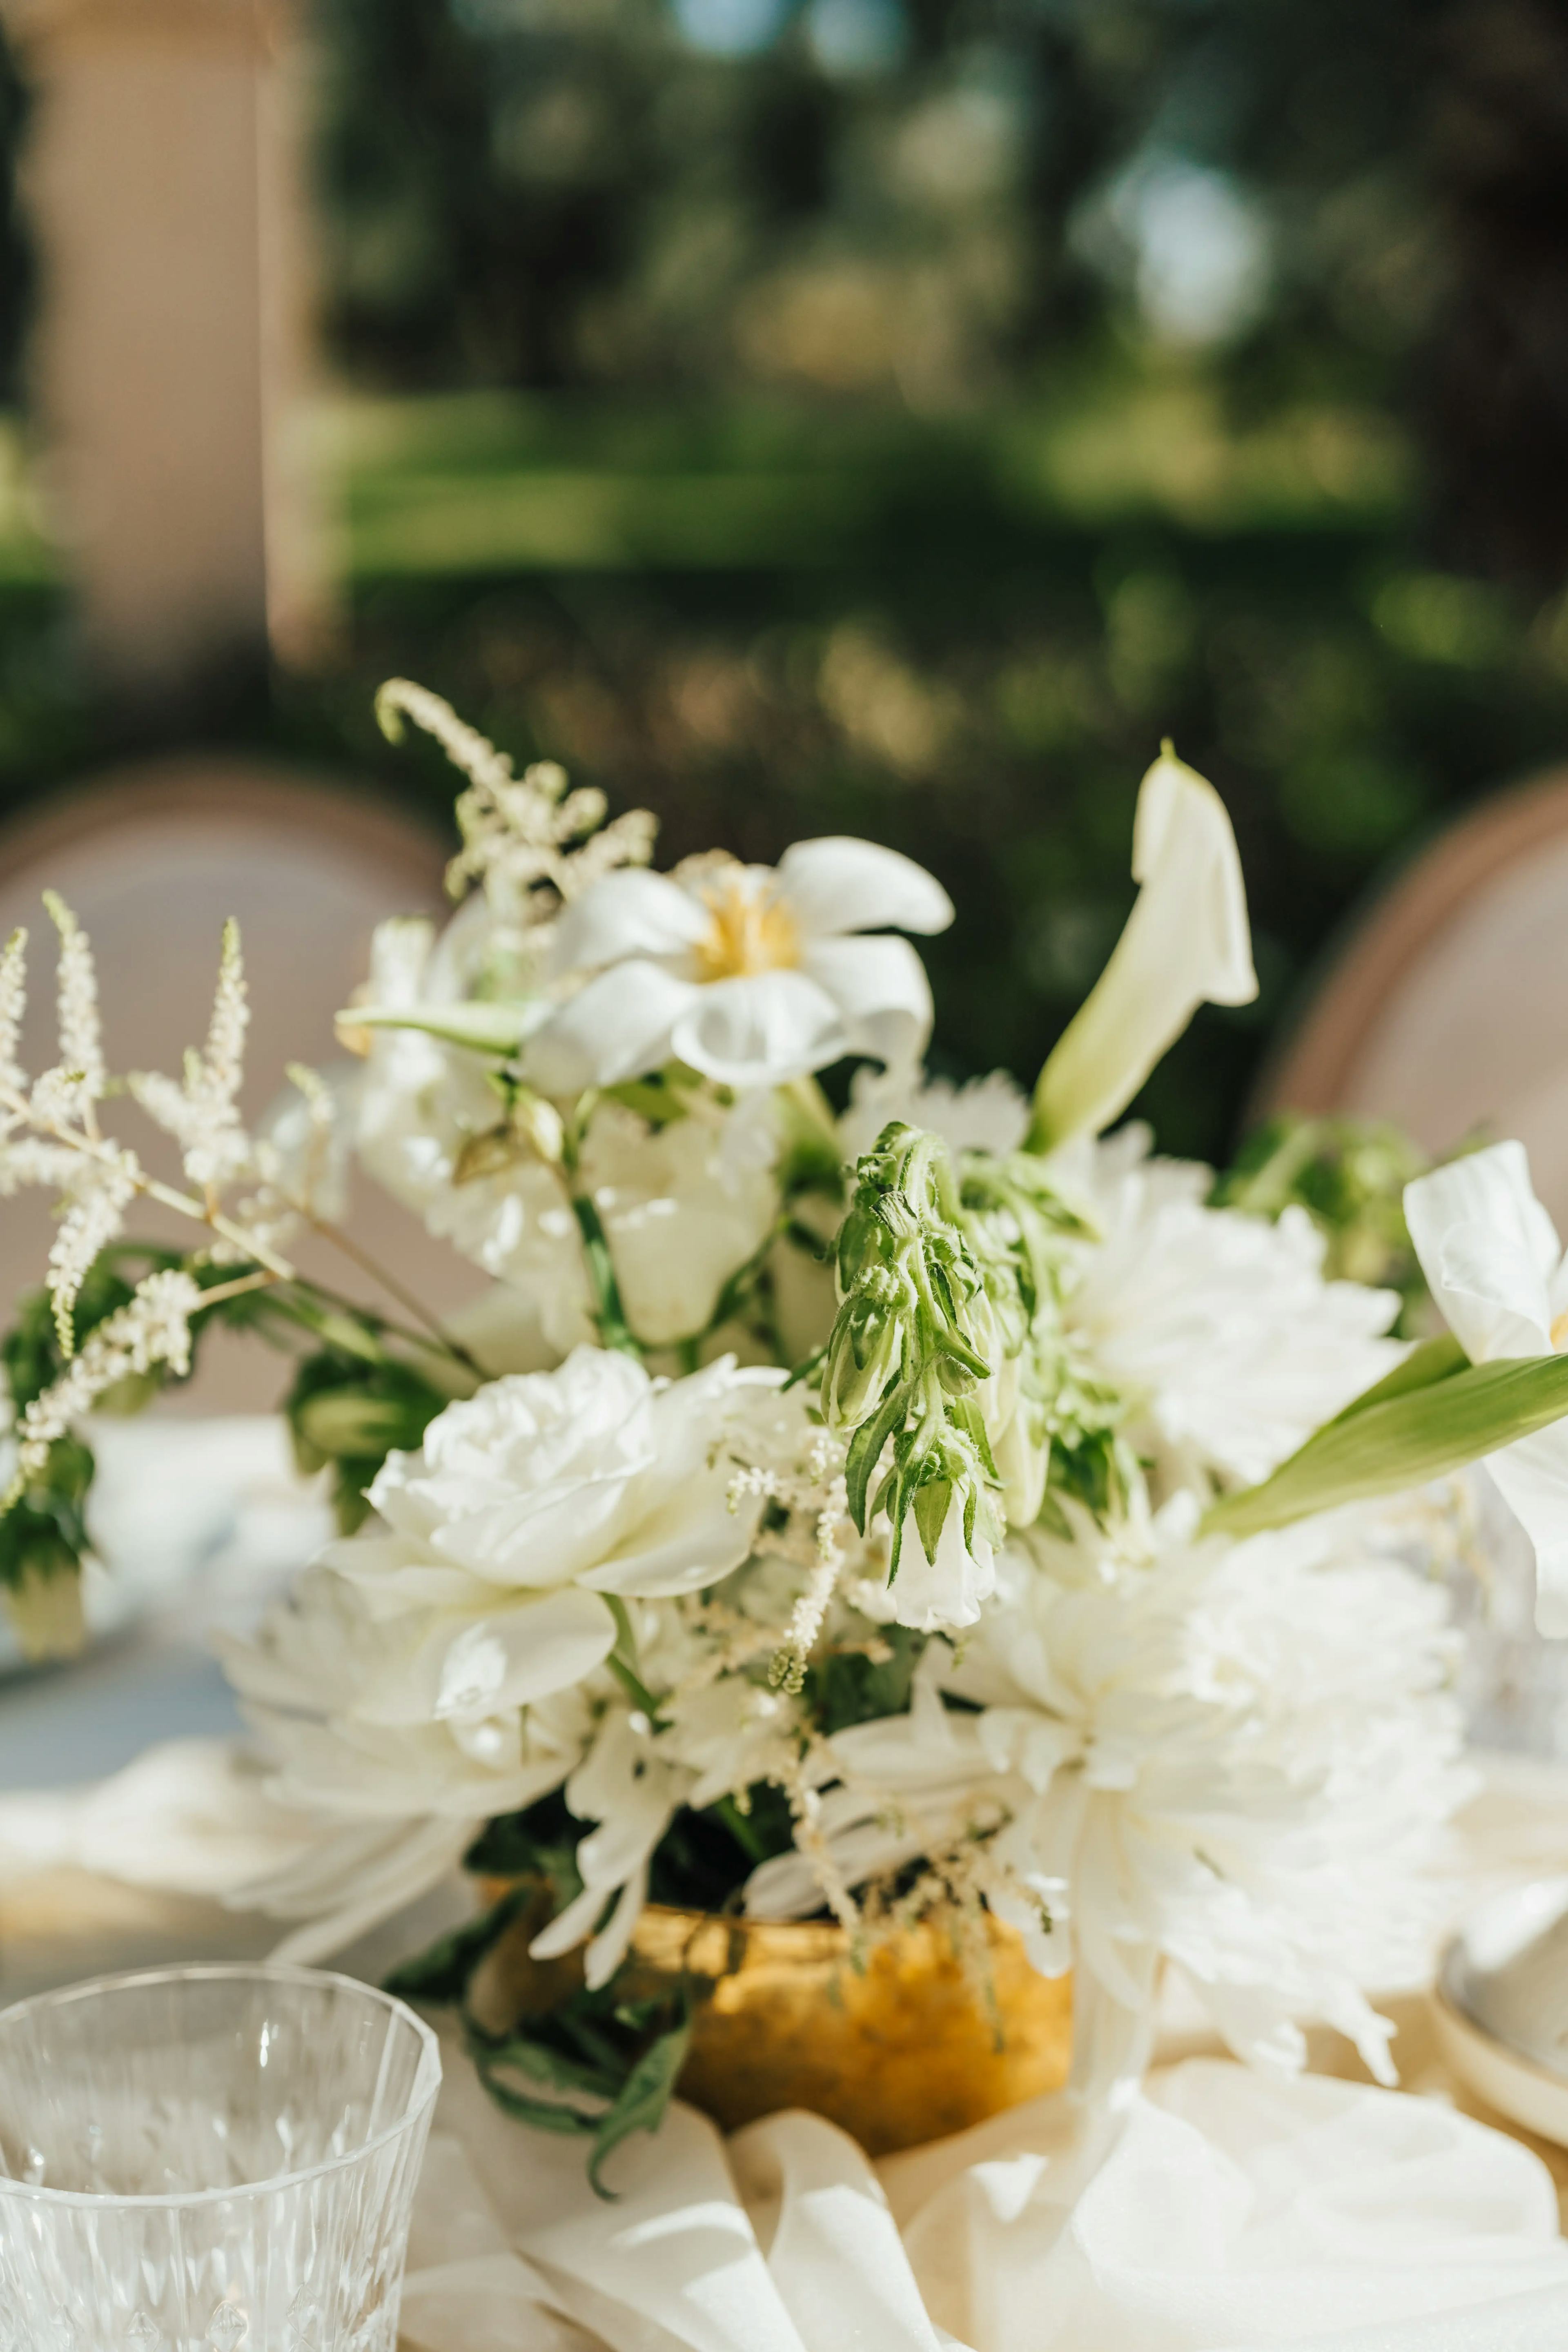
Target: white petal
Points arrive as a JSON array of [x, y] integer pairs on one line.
[[1532, 1478], [931, 1594], [617, 1027], [608, 1948], [1489, 1250], [881, 988], [524, 1655], [695, 1540], [759, 1031], [839, 884], [630, 913], [485, 1664], [536, 1537], [371, 1876], [1186, 943]]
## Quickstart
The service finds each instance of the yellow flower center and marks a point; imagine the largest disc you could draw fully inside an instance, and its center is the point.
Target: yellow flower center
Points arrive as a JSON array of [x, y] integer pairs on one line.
[[1559, 1334], [750, 931]]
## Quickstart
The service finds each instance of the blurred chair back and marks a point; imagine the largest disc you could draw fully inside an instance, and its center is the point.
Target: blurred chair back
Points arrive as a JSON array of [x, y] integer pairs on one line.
[[153, 858], [1447, 1010]]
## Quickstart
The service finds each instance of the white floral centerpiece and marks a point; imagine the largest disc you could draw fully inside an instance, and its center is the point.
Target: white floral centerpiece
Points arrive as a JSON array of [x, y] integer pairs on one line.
[[931, 1508]]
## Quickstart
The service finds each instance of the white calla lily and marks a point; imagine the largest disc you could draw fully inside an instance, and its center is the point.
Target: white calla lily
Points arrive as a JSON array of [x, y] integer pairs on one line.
[[1186, 943], [752, 974], [1496, 1268]]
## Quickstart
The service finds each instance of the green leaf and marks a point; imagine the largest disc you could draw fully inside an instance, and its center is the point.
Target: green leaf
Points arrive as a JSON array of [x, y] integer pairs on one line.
[[934, 1500], [641, 2102], [848, 1686], [866, 1449], [442, 1972], [538, 1844], [541, 2115], [353, 1414], [1403, 1440], [539, 2061], [483, 1028], [1433, 1360]]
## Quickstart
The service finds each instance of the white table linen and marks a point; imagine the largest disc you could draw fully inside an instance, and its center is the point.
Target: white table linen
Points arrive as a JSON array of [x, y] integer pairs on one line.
[[1230, 2213], [1225, 2212]]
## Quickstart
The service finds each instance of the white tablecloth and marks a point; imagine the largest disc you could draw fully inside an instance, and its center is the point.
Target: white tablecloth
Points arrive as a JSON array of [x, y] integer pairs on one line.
[[1229, 2212]]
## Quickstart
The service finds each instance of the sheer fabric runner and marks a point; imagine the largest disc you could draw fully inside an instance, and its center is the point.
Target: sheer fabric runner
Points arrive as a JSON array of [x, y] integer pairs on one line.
[[1232, 2212]]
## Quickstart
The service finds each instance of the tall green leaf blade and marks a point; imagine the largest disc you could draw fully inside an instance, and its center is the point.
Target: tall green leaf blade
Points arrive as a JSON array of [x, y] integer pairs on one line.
[[1433, 1361], [1402, 1442]]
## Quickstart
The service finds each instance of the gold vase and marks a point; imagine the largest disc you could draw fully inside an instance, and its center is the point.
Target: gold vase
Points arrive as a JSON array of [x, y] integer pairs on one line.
[[903, 2045]]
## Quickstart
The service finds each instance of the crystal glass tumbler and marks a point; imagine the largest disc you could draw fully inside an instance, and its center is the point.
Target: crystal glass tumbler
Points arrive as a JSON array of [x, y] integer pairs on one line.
[[202, 2159]]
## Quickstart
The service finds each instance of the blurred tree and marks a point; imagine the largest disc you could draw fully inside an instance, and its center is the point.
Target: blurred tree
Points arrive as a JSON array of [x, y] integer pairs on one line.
[[919, 197], [1497, 406], [15, 247]]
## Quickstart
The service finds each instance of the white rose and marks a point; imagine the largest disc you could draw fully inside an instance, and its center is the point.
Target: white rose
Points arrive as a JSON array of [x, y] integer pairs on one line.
[[530, 1502]]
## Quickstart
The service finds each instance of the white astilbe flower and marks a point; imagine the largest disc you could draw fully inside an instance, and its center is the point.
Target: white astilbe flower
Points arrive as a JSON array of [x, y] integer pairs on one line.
[[1218, 1325], [29, 1159], [152, 1327], [49, 1133], [201, 1110], [12, 1005], [1239, 1756], [99, 1192], [80, 1075], [299, 1158], [517, 832]]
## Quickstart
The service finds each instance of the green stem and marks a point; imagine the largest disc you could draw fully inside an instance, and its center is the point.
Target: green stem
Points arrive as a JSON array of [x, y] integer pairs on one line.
[[1266, 1190], [741, 1830], [621, 1661], [398, 1290], [609, 1315], [814, 1111]]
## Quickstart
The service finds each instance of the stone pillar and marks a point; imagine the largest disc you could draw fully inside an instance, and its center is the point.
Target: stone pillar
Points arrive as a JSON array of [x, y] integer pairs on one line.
[[168, 357]]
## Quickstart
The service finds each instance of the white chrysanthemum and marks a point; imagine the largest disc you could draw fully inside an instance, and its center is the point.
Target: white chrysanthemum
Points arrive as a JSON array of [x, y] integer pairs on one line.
[[398, 1792], [1218, 1325], [985, 1114], [752, 974], [1238, 1758], [682, 1206]]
